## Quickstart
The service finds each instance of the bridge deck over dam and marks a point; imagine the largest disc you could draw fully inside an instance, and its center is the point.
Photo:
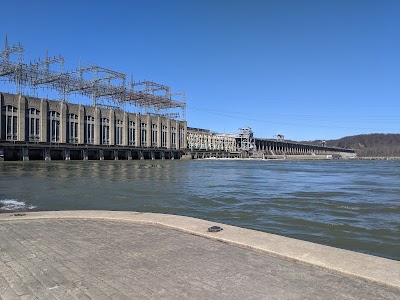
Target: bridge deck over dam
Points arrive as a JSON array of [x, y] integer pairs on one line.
[[127, 255]]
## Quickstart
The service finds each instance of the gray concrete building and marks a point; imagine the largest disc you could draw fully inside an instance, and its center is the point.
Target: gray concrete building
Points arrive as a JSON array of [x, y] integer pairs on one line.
[[203, 139], [32, 120]]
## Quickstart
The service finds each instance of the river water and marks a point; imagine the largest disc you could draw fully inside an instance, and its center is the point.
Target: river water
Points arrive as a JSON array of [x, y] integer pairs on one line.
[[347, 204]]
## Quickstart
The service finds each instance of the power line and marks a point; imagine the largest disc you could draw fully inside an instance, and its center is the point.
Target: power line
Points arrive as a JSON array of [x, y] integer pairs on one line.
[[215, 112], [396, 118]]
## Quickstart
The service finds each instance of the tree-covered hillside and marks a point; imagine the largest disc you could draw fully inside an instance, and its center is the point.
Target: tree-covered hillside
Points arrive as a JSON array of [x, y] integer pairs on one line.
[[369, 145]]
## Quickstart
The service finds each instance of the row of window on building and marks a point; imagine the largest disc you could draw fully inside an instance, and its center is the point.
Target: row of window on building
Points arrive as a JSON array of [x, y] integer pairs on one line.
[[209, 141], [53, 130]]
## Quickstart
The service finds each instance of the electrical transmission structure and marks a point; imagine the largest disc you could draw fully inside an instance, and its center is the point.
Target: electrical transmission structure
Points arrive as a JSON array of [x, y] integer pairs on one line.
[[106, 88], [245, 139], [155, 98]]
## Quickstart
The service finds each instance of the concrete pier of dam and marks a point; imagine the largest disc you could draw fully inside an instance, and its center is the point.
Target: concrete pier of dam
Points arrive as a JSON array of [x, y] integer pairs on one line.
[[45, 151], [129, 255]]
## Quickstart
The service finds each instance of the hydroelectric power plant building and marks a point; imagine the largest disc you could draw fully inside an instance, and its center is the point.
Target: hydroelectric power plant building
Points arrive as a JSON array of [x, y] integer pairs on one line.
[[33, 128], [138, 120], [142, 119]]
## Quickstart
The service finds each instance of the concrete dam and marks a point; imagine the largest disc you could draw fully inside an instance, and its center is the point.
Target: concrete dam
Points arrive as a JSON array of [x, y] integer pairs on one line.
[[136, 120], [36, 129], [206, 144]]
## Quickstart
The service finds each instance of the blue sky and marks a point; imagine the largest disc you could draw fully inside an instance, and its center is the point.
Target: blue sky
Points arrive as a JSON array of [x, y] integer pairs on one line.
[[307, 69]]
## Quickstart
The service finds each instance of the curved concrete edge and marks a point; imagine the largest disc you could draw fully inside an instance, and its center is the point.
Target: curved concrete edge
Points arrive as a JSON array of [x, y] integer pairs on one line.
[[377, 269]]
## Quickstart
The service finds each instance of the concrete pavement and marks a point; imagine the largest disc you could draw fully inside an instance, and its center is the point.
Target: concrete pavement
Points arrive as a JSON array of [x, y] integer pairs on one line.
[[125, 255]]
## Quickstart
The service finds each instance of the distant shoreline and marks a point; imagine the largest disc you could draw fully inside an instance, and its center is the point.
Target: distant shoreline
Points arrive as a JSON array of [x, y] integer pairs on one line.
[[304, 158], [378, 158]]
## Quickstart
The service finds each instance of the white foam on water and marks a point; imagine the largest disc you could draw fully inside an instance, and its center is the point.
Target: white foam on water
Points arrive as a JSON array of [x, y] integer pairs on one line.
[[349, 207], [13, 204]]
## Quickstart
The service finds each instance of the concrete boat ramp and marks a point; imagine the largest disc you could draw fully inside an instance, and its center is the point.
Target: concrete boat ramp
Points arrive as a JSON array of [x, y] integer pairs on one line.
[[127, 255]]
